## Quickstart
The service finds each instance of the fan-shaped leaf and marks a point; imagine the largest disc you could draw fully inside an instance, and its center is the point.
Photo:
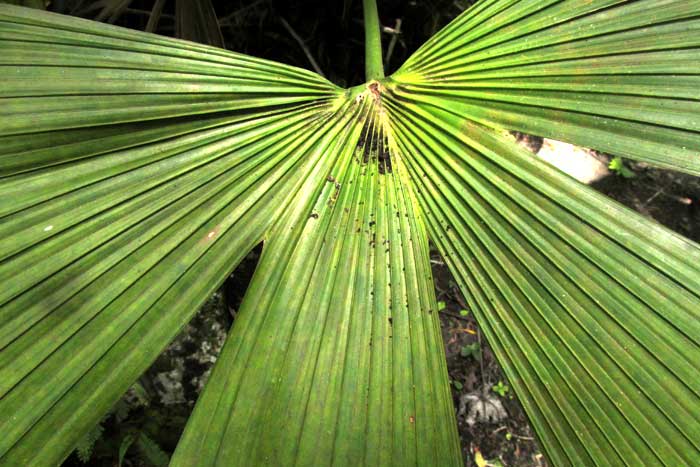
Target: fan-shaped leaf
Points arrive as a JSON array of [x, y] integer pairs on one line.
[[337, 357], [592, 309], [613, 75]]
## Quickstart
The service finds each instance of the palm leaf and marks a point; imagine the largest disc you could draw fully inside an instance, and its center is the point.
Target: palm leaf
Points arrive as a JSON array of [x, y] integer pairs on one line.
[[596, 329], [102, 236], [613, 75], [337, 354], [141, 169]]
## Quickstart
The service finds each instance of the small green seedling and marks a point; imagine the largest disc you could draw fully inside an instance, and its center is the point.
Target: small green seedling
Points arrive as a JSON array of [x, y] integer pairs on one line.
[[473, 349], [441, 306], [618, 166], [501, 389], [464, 312]]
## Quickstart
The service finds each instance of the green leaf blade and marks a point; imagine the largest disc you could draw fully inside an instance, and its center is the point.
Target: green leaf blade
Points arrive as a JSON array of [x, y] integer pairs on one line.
[[595, 324], [615, 76], [338, 335], [113, 241]]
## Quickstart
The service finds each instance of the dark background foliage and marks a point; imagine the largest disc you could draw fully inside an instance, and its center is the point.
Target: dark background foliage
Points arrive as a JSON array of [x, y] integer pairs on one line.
[[332, 30]]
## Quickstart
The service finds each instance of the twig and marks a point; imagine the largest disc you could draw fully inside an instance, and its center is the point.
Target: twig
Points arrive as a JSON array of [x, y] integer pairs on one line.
[[155, 15], [440, 292], [680, 199], [505, 427], [528, 438], [303, 46], [481, 360], [226, 20], [136, 11], [649, 200], [392, 42], [459, 6], [458, 296]]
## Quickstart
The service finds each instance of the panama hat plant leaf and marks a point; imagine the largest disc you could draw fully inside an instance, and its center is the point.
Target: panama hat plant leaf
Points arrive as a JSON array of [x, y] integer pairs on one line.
[[136, 171]]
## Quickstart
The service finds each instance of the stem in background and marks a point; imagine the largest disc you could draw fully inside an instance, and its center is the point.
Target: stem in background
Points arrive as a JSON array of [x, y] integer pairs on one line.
[[303, 46], [155, 15], [392, 42], [374, 69]]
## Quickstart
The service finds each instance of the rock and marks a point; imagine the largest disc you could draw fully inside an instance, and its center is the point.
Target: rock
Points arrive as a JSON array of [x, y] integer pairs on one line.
[[484, 407], [583, 164], [180, 372]]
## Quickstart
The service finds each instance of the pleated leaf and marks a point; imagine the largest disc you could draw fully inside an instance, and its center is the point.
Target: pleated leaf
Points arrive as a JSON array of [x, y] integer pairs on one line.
[[136, 171], [592, 309], [140, 171], [615, 75], [336, 356]]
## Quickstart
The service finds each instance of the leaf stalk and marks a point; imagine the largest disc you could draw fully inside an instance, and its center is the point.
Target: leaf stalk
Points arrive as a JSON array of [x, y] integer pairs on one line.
[[374, 68]]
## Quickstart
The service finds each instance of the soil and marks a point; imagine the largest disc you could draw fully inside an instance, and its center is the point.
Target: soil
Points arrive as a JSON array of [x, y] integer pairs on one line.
[[509, 440], [671, 198]]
